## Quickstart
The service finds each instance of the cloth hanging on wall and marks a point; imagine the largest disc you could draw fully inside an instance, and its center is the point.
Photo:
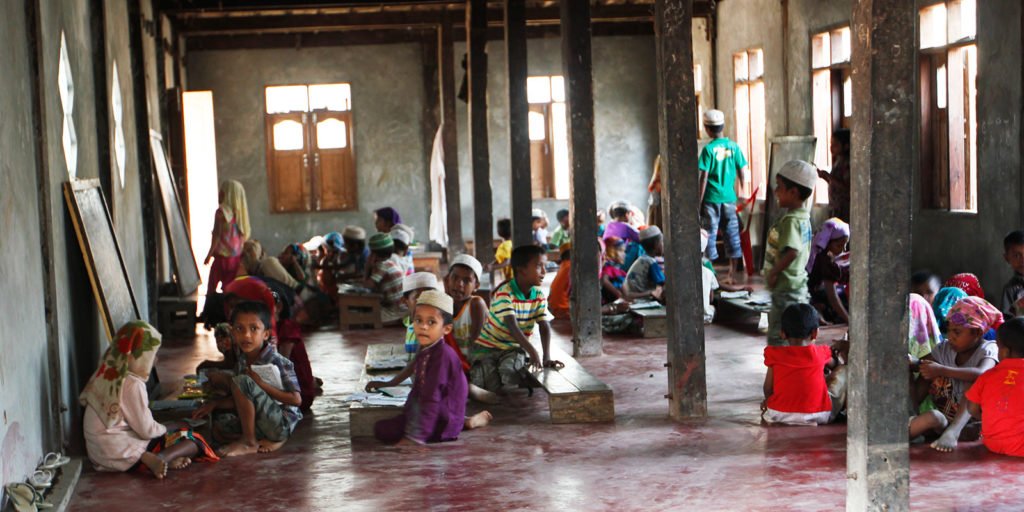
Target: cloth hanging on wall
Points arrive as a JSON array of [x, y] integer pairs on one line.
[[438, 231]]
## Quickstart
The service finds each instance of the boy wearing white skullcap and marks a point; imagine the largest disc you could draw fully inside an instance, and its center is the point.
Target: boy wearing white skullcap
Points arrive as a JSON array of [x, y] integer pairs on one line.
[[721, 162]]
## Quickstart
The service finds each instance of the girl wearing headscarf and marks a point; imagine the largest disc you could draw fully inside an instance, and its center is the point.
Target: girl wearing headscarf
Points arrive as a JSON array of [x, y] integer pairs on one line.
[[944, 301], [230, 230], [386, 218], [923, 335], [951, 369], [968, 283], [828, 270], [120, 432], [256, 262]]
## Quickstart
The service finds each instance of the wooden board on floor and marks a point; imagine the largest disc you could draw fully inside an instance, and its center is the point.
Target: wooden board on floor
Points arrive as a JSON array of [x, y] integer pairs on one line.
[[654, 322], [753, 304], [362, 416], [574, 395]]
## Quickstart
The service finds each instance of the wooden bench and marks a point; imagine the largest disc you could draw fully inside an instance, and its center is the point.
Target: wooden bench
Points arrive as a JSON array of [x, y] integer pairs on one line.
[[359, 309], [574, 395], [362, 416], [653, 321]]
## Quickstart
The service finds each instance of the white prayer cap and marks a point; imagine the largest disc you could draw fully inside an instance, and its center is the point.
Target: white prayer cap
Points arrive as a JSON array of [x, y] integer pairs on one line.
[[400, 235], [469, 261], [437, 299], [800, 172], [650, 232], [714, 118], [314, 243], [419, 281]]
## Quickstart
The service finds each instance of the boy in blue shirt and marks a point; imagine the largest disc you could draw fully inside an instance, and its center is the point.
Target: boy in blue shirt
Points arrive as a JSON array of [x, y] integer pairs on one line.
[[721, 162]]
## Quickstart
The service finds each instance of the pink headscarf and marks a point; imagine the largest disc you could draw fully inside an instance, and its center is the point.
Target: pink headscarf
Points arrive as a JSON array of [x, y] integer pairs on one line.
[[975, 313], [832, 229]]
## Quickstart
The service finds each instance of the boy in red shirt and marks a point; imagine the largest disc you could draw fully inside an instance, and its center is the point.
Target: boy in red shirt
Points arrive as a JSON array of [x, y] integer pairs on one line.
[[795, 392], [997, 393]]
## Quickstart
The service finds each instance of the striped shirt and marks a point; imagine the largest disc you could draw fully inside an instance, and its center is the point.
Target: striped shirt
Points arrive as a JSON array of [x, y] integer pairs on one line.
[[509, 300], [388, 275]]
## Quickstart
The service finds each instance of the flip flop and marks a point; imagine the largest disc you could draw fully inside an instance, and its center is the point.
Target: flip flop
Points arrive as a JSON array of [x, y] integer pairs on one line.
[[54, 460], [24, 498], [41, 479]]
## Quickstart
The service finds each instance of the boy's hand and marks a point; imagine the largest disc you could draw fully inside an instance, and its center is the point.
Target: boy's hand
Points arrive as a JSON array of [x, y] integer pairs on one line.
[[204, 410], [771, 279], [930, 369], [374, 384], [255, 377]]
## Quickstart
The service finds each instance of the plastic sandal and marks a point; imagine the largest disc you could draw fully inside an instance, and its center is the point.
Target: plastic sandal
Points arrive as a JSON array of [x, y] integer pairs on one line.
[[54, 460], [41, 479], [24, 498]]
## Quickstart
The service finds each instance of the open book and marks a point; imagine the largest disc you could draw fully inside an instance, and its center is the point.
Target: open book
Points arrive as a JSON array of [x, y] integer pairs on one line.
[[270, 374]]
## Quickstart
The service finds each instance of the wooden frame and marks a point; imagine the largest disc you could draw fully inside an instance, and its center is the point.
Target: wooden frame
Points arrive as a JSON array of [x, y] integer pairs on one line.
[[111, 285], [175, 225]]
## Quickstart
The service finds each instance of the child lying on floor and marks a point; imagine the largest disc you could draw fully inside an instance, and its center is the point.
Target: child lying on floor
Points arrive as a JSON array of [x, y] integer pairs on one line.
[[263, 416], [435, 409], [120, 432], [951, 369], [997, 394], [795, 392]]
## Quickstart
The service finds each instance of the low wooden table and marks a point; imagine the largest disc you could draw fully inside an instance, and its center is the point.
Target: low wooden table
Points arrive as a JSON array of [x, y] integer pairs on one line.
[[654, 321], [362, 416], [427, 262], [359, 309], [574, 395]]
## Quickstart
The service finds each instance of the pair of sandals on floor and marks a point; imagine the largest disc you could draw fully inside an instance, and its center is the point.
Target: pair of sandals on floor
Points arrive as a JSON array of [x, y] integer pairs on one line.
[[27, 496]]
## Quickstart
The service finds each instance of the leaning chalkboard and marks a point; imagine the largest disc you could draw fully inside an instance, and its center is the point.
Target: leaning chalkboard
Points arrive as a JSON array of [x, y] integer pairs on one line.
[[783, 149], [175, 226], [110, 282]]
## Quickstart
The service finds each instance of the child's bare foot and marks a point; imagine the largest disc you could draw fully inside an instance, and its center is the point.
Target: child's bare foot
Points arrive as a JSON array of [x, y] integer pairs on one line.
[[155, 464], [478, 420], [180, 463], [945, 443], [267, 446], [238, 448], [482, 395]]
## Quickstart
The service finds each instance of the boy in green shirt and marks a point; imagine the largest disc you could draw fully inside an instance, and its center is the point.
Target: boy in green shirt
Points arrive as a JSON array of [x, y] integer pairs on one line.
[[788, 245], [720, 163]]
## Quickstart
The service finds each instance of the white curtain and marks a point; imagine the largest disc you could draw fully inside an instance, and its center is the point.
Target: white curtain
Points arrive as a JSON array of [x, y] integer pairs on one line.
[[438, 231]]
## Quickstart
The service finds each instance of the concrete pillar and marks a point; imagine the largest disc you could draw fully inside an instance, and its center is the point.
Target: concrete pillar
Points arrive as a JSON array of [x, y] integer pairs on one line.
[[678, 141], [479, 153], [446, 60], [585, 302], [518, 129], [884, 113]]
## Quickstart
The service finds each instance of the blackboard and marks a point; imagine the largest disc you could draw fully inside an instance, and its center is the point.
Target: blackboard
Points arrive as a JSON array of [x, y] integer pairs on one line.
[[103, 259], [175, 226], [783, 149]]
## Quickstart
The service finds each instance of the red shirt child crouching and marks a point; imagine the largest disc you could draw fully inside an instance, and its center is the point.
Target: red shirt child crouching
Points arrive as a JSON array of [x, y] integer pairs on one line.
[[1000, 393]]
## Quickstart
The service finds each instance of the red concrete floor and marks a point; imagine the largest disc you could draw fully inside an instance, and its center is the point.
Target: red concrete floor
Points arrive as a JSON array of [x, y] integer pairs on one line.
[[644, 461]]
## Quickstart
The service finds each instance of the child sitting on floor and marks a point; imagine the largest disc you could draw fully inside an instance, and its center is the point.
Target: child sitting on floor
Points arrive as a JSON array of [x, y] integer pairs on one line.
[[402, 240], [951, 369], [561, 235], [788, 245], [264, 416], [498, 358], [795, 392], [540, 228], [1013, 290], [558, 298], [503, 253], [646, 278], [384, 276], [925, 284], [612, 275], [998, 395], [226, 347], [828, 271], [120, 432], [412, 286], [435, 409]]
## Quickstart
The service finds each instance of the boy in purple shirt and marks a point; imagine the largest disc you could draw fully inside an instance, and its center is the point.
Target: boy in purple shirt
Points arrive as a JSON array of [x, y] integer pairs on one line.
[[435, 410]]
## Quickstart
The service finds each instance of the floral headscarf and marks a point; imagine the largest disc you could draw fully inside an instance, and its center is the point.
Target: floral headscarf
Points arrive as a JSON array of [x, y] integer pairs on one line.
[[968, 283], [944, 301], [832, 229], [924, 332], [133, 351], [975, 313]]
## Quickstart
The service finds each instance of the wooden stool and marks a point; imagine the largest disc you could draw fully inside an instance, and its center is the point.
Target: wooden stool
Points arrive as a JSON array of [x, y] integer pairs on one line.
[[359, 309], [176, 316]]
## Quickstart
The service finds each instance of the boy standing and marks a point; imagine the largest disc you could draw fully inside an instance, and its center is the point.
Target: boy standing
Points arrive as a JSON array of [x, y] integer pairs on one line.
[[795, 392], [498, 356], [720, 163], [789, 243], [561, 234], [1013, 291]]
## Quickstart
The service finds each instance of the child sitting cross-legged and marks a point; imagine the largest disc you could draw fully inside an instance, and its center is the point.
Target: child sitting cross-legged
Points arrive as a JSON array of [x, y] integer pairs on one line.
[[795, 392], [1013, 290], [120, 432], [262, 416], [384, 276], [645, 278], [997, 398], [498, 358], [951, 369], [226, 347], [612, 275], [435, 409]]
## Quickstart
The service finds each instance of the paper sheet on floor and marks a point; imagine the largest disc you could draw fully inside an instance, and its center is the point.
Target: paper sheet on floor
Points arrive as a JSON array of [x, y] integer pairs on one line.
[[391, 363]]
